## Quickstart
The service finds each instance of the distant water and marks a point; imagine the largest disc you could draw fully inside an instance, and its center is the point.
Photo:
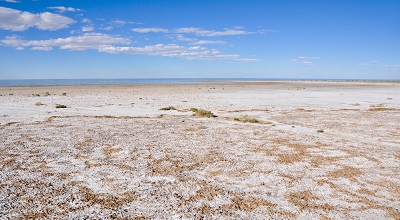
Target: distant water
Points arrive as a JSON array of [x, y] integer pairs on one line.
[[65, 82]]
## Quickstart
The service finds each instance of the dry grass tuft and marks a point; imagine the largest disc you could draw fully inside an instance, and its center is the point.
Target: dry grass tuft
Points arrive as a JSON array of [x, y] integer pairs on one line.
[[168, 108], [245, 120], [203, 113], [375, 109]]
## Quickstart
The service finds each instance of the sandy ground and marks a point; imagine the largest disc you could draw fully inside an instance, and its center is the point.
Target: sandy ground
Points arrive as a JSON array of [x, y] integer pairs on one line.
[[113, 154]]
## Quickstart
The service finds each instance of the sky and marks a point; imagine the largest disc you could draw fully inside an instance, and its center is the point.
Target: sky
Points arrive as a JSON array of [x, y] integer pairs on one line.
[[301, 39]]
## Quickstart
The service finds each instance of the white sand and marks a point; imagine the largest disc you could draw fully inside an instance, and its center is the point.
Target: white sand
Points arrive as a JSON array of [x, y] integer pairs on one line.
[[114, 154]]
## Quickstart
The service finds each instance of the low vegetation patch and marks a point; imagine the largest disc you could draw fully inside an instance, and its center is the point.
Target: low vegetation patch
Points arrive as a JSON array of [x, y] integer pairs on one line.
[[381, 109], [245, 120], [61, 106], [47, 93], [250, 120], [168, 108], [64, 94], [202, 113], [320, 131]]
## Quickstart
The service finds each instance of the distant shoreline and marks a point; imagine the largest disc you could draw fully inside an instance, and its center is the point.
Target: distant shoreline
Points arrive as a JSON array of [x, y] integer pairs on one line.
[[169, 81]]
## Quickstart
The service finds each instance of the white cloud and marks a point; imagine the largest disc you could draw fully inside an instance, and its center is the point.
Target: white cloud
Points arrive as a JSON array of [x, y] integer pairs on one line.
[[62, 9], [194, 41], [109, 28], [12, 1], [391, 67], [118, 22], [14, 20], [203, 42], [180, 37], [210, 33], [111, 44], [86, 20], [84, 42], [304, 60], [42, 48], [195, 31], [88, 28], [11, 41], [173, 50], [149, 30]]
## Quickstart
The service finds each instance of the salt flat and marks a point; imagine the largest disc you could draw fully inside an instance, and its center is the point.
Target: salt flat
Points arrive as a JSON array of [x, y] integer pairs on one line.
[[319, 150]]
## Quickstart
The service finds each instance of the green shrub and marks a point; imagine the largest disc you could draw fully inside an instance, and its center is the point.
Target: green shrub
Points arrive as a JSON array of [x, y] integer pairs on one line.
[[61, 106], [168, 108], [64, 94], [320, 131], [194, 109], [204, 114], [245, 120], [250, 120]]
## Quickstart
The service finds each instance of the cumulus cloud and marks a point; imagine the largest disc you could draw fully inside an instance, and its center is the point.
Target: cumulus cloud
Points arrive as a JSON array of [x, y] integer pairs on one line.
[[173, 50], [62, 9], [87, 28], [83, 42], [150, 30], [194, 31], [195, 41], [86, 20], [15, 20], [203, 42], [115, 45], [304, 60], [111, 44], [210, 33], [122, 22]]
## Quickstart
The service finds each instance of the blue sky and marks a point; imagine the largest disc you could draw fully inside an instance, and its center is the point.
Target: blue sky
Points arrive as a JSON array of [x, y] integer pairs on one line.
[[326, 39]]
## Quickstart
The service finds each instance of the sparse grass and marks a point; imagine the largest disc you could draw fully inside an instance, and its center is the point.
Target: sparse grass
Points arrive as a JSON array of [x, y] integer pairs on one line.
[[194, 109], [203, 113], [245, 120], [320, 131], [381, 109], [168, 108], [61, 106], [46, 93], [36, 95], [250, 120], [64, 94]]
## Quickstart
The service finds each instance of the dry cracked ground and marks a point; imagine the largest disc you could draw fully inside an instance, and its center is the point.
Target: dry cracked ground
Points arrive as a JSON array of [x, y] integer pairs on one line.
[[176, 166]]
